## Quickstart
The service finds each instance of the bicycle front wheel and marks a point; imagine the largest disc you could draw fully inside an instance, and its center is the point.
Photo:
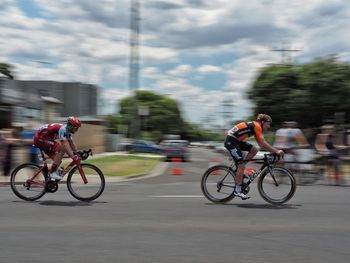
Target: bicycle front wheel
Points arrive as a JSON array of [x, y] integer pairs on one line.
[[277, 187], [28, 182], [218, 184], [87, 190]]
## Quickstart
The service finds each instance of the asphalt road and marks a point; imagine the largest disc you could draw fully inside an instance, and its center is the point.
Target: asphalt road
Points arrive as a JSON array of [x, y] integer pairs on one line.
[[166, 219]]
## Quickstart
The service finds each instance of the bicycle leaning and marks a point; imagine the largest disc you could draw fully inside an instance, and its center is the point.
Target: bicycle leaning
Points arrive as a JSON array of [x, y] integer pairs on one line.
[[276, 185], [85, 182]]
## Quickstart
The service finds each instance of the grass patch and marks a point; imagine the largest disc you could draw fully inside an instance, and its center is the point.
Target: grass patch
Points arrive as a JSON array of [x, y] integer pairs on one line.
[[124, 165]]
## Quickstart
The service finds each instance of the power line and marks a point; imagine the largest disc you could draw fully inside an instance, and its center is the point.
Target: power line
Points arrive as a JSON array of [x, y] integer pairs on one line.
[[284, 52]]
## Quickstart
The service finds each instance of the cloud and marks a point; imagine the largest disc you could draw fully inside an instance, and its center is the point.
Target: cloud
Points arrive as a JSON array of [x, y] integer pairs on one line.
[[187, 47], [209, 69], [181, 70]]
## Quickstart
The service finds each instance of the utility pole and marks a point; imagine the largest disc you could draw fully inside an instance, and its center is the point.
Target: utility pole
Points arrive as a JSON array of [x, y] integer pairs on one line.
[[227, 111], [134, 66], [134, 45]]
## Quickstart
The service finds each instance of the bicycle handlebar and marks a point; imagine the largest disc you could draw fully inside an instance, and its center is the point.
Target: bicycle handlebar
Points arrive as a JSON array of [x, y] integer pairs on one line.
[[84, 154], [272, 157]]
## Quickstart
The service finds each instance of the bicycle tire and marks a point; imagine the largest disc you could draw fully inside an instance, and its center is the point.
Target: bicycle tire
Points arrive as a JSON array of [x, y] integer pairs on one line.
[[212, 177], [84, 192], [286, 181], [21, 188]]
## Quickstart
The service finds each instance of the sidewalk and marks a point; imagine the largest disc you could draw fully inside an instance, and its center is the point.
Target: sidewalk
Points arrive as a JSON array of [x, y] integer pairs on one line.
[[157, 170]]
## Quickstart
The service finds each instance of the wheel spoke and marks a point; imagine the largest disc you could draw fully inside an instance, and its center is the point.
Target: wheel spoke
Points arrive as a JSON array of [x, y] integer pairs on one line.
[[88, 186], [278, 187], [218, 184], [28, 182]]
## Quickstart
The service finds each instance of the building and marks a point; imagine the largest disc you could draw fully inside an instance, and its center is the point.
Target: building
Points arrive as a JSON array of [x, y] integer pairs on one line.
[[22, 101]]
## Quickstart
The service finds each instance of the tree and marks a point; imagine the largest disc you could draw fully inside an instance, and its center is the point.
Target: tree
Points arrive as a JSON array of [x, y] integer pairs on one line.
[[164, 113], [6, 69], [273, 91], [307, 93], [327, 82]]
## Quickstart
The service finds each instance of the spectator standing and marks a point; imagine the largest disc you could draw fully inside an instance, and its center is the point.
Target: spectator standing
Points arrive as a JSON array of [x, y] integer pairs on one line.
[[326, 146], [27, 136], [9, 141]]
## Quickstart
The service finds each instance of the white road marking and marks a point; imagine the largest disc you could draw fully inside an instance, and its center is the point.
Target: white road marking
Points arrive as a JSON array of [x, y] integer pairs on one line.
[[177, 196]]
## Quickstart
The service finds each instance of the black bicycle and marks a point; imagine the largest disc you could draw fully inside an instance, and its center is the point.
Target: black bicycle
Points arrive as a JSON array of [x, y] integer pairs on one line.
[[276, 185]]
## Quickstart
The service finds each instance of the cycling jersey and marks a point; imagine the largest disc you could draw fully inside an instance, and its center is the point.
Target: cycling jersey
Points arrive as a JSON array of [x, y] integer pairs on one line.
[[243, 130], [55, 131], [47, 135]]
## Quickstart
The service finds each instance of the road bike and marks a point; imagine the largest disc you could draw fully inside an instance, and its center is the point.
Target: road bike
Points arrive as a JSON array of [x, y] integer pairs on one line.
[[30, 181], [276, 185], [305, 165], [317, 168]]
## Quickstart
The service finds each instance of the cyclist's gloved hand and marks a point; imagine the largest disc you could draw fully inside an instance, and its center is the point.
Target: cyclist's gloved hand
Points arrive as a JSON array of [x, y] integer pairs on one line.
[[280, 154], [76, 159]]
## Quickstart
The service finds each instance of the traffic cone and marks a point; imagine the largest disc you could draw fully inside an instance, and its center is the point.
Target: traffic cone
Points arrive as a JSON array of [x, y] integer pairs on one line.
[[176, 170]]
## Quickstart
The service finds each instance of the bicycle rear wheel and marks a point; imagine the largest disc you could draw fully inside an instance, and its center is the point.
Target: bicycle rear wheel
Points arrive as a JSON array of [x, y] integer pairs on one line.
[[28, 181], [277, 191], [86, 191], [218, 184]]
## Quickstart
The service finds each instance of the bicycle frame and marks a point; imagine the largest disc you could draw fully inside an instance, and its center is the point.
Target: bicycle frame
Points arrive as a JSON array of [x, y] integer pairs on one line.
[[266, 166], [45, 168]]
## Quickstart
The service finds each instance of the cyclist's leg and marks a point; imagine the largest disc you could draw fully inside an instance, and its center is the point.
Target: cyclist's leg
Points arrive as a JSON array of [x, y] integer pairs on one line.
[[252, 151], [233, 146], [335, 164], [52, 149], [56, 154]]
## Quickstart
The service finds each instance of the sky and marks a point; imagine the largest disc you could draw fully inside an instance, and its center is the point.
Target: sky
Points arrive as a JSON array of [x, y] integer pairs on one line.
[[203, 53]]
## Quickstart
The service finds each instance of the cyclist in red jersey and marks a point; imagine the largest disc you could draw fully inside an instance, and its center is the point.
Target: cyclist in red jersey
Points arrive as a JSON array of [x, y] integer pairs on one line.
[[235, 144], [55, 140]]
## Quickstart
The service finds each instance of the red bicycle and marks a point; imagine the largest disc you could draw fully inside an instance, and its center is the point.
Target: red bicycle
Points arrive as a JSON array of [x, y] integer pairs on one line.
[[85, 182]]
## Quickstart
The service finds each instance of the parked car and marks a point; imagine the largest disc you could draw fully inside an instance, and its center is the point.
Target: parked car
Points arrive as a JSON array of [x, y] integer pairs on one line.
[[143, 146], [175, 149]]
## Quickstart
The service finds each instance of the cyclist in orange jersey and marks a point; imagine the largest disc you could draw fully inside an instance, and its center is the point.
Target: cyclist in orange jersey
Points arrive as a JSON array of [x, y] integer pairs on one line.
[[235, 144]]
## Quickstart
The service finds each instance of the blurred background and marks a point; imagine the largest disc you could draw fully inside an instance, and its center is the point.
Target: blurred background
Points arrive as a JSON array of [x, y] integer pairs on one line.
[[175, 69]]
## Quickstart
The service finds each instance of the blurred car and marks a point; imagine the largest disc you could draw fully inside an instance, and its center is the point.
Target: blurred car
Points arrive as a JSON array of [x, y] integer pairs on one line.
[[220, 148], [175, 149], [143, 147]]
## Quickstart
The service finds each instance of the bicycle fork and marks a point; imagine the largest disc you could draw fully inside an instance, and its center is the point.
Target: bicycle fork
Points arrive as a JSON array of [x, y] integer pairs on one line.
[[81, 171], [269, 169]]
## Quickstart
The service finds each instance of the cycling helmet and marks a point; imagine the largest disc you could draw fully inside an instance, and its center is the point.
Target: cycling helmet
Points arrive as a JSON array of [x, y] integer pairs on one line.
[[263, 117], [74, 121]]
